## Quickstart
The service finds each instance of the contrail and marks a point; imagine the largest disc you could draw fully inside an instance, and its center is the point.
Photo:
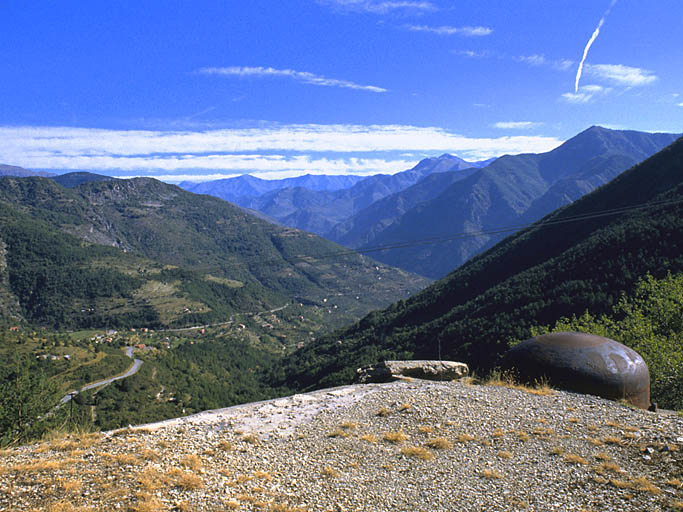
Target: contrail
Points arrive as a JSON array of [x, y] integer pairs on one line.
[[588, 45]]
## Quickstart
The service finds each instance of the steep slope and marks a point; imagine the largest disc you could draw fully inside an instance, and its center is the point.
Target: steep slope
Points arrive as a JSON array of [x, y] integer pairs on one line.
[[320, 211], [510, 192], [363, 227], [580, 257], [203, 250]]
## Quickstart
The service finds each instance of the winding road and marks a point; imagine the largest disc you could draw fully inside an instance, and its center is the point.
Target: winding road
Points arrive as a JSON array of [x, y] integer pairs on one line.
[[137, 363]]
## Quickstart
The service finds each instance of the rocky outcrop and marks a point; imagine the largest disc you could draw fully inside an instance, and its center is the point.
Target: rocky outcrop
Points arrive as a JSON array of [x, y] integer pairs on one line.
[[387, 371]]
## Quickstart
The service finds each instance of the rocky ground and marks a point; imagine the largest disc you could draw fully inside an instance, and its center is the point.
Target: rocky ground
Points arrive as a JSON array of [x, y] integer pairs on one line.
[[402, 446]]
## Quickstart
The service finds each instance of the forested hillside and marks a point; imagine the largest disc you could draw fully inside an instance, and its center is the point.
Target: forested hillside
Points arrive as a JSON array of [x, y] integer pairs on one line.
[[142, 253]]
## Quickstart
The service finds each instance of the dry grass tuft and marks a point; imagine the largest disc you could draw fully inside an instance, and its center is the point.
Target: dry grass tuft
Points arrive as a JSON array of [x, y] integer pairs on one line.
[[417, 451], [643, 484], [263, 475], [595, 442], [464, 438], [185, 480], [426, 429], [611, 440], [383, 412], [621, 484], [439, 443], [522, 436], [677, 505], [147, 503], [349, 425], [151, 479], [574, 459], [608, 466], [491, 474], [330, 472], [394, 437], [191, 461], [370, 438], [498, 433], [404, 408], [539, 431], [232, 505], [250, 438], [72, 486], [507, 380], [225, 445], [674, 482], [557, 450], [338, 433], [602, 456], [504, 454]]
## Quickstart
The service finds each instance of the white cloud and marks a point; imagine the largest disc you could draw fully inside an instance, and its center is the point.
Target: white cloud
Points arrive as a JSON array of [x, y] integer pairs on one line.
[[380, 6], [532, 60], [300, 76], [680, 104], [294, 149], [445, 30], [472, 54], [586, 93], [621, 75], [516, 125], [563, 64]]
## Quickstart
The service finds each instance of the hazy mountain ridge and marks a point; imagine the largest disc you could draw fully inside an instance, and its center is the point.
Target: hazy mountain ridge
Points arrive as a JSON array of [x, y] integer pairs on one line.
[[13, 170], [512, 191], [319, 210]]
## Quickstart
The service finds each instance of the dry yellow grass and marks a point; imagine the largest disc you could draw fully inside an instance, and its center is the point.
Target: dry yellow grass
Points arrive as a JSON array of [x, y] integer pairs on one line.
[[508, 381], [151, 479], [418, 452], [643, 484], [349, 425], [383, 412], [182, 506], [611, 440], [539, 431], [404, 407], [522, 436], [621, 484], [608, 466], [149, 454], [262, 475], [439, 443], [232, 505], [191, 461], [185, 479], [426, 429], [491, 474], [394, 437], [504, 454], [370, 438], [250, 438], [464, 438], [677, 505], [574, 459], [225, 445], [602, 456], [330, 472], [674, 482], [71, 486], [338, 433], [498, 433], [147, 503]]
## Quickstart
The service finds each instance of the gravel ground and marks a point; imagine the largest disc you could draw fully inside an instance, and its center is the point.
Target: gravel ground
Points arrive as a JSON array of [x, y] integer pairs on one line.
[[402, 446]]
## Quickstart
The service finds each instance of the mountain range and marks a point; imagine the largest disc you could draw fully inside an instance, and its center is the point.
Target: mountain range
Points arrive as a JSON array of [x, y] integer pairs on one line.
[[583, 256], [435, 216], [13, 170], [318, 209]]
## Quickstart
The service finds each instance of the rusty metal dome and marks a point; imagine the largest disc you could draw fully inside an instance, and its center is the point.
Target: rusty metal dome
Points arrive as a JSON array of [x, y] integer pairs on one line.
[[584, 363]]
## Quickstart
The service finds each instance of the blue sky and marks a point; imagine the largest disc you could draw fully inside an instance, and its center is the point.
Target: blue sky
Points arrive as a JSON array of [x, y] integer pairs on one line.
[[205, 89]]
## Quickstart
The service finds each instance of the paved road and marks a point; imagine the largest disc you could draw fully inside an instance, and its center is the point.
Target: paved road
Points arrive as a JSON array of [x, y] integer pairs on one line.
[[137, 363]]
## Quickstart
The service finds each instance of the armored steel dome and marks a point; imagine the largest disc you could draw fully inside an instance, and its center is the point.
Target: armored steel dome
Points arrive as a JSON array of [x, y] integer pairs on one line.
[[584, 363]]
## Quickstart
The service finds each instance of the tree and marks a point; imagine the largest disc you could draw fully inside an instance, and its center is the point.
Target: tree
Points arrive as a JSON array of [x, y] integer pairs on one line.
[[650, 322], [26, 397]]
